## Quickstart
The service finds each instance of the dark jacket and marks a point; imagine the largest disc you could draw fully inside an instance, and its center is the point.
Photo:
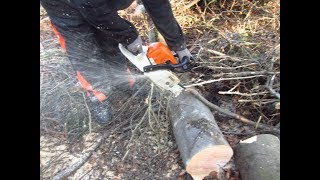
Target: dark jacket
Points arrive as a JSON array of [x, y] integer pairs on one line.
[[102, 14]]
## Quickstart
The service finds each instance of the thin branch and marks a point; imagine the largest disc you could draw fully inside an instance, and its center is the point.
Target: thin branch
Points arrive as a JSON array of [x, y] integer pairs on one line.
[[272, 80], [41, 47], [233, 3], [133, 134], [269, 85], [248, 14], [262, 101], [198, 54], [258, 122], [273, 92], [230, 90], [150, 105], [222, 55], [231, 68], [88, 110], [246, 73], [231, 114], [190, 4], [241, 94], [194, 44], [41, 81], [217, 52], [221, 79], [122, 108], [133, 116]]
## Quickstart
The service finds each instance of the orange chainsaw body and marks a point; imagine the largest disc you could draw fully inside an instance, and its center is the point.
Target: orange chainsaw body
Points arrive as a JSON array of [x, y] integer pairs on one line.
[[160, 53]]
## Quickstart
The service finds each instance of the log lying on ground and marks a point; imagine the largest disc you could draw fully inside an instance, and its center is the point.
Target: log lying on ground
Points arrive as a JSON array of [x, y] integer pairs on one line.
[[202, 146], [258, 158]]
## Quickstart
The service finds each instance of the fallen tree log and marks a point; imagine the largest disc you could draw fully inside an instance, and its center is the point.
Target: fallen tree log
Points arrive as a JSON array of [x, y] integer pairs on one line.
[[202, 146], [258, 158]]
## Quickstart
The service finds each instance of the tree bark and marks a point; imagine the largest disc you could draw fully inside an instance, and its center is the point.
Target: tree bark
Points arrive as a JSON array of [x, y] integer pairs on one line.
[[202, 146], [258, 158]]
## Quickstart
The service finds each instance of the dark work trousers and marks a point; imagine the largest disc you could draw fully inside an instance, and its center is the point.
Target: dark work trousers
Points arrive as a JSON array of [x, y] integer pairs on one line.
[[95, 57]]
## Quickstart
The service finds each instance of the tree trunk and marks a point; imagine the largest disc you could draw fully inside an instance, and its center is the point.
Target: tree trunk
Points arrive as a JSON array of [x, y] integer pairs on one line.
[[258, 158], [202, 146]]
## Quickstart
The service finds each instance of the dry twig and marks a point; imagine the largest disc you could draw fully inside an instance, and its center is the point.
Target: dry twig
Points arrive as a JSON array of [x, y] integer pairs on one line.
[[221, 79], [269, 87], [246, 73], [241, 94], [190, 4], [89, 113]]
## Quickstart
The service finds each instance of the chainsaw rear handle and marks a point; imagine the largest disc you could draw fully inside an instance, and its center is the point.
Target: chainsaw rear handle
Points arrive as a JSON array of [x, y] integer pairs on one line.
[[184, 65]]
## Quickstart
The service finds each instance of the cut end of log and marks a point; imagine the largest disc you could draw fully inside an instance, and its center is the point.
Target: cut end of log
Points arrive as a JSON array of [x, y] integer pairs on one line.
[[208, 160]]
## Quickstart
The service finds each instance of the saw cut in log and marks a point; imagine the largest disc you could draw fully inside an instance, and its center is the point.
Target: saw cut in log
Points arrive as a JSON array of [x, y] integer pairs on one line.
[[202, 146], [259, 158]]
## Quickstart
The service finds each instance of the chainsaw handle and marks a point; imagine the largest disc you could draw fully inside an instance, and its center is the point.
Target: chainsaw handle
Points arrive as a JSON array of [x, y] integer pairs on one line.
[[157, 67], [183, 64], [185, 60]]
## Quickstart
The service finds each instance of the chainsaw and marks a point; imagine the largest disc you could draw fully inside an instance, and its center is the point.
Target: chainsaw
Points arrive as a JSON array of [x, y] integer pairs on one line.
[[157, 62]]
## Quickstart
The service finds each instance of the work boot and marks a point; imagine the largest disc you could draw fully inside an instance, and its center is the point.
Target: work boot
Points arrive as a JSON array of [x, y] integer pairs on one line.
[[101, 111]]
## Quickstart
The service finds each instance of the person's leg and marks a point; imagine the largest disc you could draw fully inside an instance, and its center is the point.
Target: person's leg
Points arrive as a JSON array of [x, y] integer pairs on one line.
[[78, 38], [123, 79]]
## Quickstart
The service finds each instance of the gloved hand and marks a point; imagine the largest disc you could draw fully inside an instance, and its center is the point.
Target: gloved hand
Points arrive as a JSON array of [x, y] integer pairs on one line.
[[183, 53], [136, 46]]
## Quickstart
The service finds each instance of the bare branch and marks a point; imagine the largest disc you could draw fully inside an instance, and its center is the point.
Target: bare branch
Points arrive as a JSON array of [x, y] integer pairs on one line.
[[241, 94], [222, 55], [133, 134], [232, 68], [230, 90], [261, 101], [217, 52], [231, 114], [190, 4], [150, 105], [88, 110], [221, 79], [248, 14], [269, 87], [246, 73], [273, 92]]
